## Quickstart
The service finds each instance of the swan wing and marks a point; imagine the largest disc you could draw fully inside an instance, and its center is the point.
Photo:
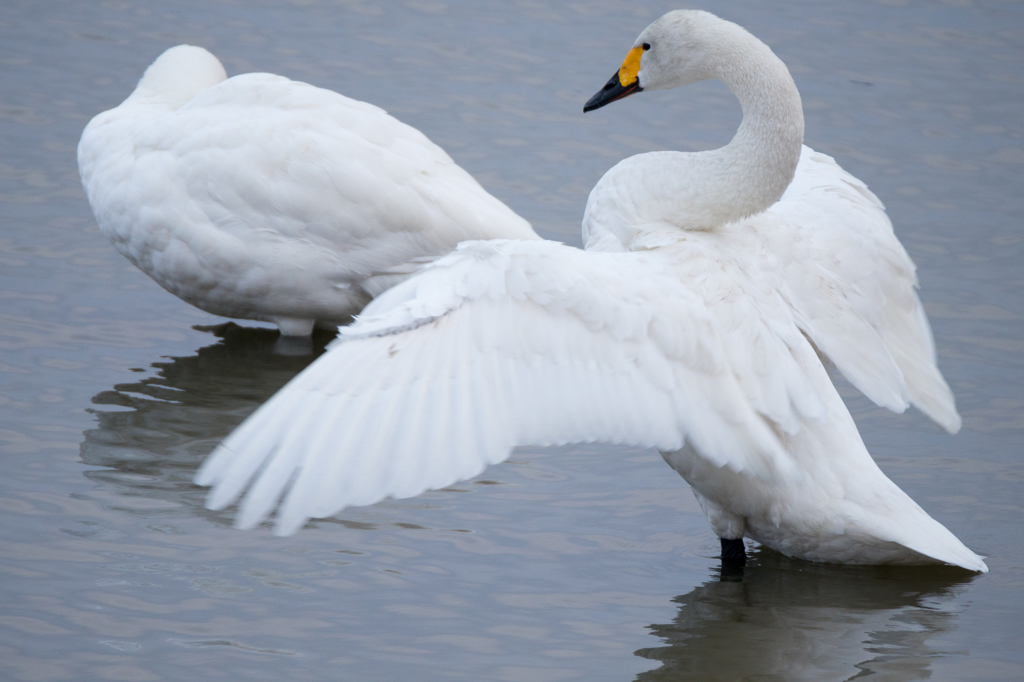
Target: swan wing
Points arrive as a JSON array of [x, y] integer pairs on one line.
[[854, 289], [499, 344]]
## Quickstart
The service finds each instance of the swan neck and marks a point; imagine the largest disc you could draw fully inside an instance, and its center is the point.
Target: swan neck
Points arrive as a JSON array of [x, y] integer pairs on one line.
[[761, 158], [645, 199]]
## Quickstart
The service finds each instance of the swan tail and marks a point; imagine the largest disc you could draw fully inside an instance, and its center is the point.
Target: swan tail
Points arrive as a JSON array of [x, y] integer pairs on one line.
[[949, 551], [922, 534]]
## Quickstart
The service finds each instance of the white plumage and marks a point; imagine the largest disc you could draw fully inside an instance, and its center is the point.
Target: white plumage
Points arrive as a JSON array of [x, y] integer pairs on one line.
[[499, 344], [258, 197], [855, 288], [686, 326]]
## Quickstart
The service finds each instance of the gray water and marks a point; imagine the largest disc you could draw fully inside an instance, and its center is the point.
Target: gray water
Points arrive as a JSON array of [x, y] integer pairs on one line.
[[580, 563]]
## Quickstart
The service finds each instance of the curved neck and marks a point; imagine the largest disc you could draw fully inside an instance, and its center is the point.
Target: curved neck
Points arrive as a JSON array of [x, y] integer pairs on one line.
[[762, 157], [704, 190]]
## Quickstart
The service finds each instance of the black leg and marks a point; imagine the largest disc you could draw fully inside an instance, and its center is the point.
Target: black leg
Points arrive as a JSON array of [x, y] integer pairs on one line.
[[733, 552]]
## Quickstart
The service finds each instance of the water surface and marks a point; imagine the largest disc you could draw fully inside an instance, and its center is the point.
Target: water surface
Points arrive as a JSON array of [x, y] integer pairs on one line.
[[577, 563]]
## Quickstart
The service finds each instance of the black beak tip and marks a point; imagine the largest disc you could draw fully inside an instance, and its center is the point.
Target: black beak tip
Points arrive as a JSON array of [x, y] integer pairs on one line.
[[611, 91]]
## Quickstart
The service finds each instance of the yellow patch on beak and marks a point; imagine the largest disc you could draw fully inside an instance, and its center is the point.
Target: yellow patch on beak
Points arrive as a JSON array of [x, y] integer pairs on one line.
[[630, 66]]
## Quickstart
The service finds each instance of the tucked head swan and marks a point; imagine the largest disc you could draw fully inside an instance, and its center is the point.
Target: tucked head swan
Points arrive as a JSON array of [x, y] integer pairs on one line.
[[258, 197], [687, 326]]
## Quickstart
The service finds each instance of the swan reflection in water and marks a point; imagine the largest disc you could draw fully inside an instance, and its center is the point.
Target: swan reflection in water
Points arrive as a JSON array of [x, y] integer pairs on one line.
[[784, 619], [175, 418]]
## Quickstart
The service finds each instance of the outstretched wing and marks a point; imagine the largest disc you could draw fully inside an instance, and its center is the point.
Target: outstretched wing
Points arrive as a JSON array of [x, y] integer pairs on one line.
[[854, 289], [499, 344]]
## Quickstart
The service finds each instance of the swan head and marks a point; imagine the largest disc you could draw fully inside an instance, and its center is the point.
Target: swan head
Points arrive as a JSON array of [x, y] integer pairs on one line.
[[677, 49], [179, 74], [701, 191]]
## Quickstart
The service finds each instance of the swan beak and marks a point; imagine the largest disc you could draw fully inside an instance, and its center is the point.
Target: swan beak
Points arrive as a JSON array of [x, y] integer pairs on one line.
[[612, 90], [624, 83]]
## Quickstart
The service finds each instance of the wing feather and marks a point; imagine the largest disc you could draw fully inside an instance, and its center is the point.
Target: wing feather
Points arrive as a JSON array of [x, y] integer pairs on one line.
[[255, 445], [307, 430], [854, 289], [497, 345]]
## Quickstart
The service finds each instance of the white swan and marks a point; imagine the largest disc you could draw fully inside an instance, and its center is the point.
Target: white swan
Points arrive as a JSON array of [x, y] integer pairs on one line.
[[685, 337], [262, 198], [850, 281]]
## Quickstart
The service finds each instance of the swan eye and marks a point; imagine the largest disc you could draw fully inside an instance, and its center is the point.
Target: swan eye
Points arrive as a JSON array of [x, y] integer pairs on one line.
[[646, 46]]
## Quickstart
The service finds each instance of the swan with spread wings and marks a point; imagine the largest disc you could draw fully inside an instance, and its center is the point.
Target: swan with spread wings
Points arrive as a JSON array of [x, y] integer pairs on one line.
[[692, 324]]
